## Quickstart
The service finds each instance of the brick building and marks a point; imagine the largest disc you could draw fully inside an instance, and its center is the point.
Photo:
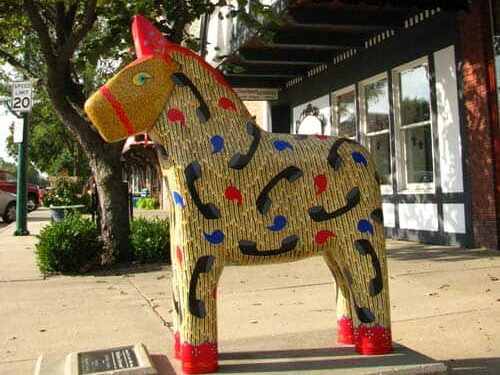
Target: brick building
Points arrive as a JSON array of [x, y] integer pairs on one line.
[[414, 81]]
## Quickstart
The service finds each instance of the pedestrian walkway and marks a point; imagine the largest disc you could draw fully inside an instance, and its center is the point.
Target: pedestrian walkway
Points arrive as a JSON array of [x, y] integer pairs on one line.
[[273, 319]]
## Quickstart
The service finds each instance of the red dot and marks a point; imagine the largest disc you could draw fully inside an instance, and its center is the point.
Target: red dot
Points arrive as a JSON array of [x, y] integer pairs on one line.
[[179, 254], [233, 194], [214, 293], [176, 115], [323, 236], [322, 137], [320, 182], [226, 103]]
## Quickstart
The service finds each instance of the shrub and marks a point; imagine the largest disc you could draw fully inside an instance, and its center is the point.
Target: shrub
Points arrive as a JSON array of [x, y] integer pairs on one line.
[[69, 245], [150, 240], [65, 193], [148, 203]]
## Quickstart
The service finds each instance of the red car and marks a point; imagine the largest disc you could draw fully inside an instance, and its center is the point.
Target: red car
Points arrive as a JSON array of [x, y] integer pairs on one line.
[[8, 182]]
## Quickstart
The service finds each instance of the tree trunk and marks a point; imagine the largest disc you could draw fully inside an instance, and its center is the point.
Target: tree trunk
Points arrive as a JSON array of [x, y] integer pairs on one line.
[[113, 207], [66, 93], [106, 167]]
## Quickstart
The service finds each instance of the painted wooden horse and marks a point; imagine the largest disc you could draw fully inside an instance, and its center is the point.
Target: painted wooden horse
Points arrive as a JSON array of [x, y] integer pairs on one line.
[[246, 196]]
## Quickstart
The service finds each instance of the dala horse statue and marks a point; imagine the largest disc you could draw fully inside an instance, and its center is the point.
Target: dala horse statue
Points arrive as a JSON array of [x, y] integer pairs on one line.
[[246, 196]]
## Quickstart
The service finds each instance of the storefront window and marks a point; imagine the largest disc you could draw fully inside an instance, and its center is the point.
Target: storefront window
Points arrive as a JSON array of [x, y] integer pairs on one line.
[[414, 125], [375, 122], [345, 113]]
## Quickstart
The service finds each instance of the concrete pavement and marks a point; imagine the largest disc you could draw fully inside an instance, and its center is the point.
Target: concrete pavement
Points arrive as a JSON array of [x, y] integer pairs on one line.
[[445, 305]]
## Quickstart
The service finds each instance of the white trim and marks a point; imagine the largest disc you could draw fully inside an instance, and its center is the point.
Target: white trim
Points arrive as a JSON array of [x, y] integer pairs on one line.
[[403, 186], [385, 189], [371, 134], [448, 121], [415, 125], [334, 95], [454, 218], [424, 60], [418, 216], [389, 212]]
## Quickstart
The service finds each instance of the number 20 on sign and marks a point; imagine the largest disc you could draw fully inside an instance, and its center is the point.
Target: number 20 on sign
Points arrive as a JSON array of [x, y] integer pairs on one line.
[[22, 96]]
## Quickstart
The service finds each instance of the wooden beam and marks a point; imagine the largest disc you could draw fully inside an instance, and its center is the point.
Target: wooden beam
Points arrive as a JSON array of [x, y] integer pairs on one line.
[[256, 82], [339, 19], [268, 70], [270, 56], [313, 38]]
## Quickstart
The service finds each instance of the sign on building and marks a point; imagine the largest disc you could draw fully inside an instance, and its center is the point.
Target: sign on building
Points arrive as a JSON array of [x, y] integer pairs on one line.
[[257, 94], [22, 100]]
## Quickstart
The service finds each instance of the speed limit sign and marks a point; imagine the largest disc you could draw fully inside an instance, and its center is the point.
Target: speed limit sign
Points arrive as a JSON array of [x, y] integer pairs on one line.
[[22, 100]]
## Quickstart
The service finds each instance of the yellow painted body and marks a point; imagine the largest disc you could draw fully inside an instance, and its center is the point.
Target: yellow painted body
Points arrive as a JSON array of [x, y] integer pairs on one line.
[[168, 105]]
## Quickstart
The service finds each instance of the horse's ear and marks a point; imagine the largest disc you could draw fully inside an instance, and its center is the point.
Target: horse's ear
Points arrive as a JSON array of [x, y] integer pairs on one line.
[[148, 40]]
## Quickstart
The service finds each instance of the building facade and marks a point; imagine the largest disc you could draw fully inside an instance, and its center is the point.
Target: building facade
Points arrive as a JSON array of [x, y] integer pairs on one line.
[[417, 85]]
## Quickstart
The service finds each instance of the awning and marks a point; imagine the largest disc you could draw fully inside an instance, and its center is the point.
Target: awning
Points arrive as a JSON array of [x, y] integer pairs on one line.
[[318, 32]]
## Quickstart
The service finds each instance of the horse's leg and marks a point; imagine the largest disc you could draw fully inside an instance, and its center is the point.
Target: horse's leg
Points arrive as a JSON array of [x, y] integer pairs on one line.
[[176, 258], [198, 277], [363, 264], [177, 314], [345, 332]]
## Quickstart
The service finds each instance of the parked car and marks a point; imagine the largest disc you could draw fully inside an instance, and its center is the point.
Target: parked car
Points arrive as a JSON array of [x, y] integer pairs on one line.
[[7, 206], [8, 182]]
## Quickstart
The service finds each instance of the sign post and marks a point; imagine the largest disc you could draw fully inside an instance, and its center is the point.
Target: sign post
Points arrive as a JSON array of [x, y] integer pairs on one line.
[[22, 102]]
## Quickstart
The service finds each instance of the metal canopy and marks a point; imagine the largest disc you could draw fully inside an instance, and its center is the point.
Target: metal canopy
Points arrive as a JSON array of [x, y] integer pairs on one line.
[[315, 32]]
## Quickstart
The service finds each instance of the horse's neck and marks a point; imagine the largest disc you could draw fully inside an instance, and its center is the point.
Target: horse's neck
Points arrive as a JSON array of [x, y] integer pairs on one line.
[[187, 134], [201, 107]]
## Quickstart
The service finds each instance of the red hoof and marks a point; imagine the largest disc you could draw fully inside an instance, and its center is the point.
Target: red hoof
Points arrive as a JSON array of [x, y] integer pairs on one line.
[[345, 332], [199, 359], [373, 340], [177, 345]]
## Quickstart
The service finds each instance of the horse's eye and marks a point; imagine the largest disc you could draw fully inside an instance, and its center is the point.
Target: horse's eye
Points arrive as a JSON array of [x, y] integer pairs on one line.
[[141, 78]]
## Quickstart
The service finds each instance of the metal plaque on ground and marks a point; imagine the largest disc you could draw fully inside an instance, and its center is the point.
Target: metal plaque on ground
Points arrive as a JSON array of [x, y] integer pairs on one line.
[[130, 360]]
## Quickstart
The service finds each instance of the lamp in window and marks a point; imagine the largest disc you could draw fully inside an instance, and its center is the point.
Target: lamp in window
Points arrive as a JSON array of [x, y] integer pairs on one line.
[[313, 111]]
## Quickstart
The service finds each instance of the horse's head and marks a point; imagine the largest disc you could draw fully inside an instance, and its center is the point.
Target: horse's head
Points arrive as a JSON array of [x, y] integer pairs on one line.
[[131, 101]]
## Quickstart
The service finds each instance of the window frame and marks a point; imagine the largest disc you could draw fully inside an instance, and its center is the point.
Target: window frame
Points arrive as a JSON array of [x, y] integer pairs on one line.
[[334, 109], [363, 123], [404, 186]]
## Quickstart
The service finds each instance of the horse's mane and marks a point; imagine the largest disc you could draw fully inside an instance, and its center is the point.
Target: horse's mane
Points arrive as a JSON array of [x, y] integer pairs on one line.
[[148, 40]]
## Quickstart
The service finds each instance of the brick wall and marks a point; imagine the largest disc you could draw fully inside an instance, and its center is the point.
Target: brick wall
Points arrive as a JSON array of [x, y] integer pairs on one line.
[[481, 132]]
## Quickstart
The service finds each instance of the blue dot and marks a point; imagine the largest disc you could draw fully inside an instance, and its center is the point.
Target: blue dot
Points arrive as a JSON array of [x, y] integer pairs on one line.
[[216, 237], [281, 145], [359, 158], [279, 223], [365, 226], [178, 199], [217, 144]]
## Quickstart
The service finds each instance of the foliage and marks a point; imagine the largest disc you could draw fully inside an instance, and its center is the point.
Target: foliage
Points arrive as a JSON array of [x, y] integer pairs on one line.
[[52, 149], [68, 48], [65, 193], [148, 203], [11, 167], [32, 175], [150, 240], [70, 245], [414, 110]]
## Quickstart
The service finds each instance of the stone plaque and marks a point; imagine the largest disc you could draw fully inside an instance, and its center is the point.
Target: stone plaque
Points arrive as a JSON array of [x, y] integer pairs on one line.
[[107, 360], [122, 360]]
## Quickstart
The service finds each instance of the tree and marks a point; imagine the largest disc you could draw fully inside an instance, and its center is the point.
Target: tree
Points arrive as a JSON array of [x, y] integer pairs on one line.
[[69, 48], [52, 149]]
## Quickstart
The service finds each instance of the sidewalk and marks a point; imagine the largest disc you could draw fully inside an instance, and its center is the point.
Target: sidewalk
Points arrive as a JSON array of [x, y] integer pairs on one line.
[[445, 305]]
